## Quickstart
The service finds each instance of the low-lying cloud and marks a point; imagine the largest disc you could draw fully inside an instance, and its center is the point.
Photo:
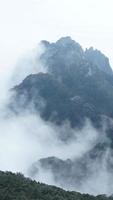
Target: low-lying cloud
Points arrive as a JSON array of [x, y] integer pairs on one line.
[[26, 137]]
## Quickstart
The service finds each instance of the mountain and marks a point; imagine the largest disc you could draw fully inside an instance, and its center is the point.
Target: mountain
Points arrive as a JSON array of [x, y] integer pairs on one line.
[[17, 187], [78, 85], [79, 173]]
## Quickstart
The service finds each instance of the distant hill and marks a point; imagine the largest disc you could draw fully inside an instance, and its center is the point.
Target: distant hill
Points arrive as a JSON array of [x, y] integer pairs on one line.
[[17, 187]]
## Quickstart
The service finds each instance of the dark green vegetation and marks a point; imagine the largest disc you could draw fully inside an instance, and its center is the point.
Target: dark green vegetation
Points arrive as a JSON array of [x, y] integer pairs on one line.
[[16, 187]]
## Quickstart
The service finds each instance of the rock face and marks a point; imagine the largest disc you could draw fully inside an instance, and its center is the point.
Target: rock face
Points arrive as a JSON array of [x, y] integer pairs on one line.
[[99, 60], [78, 85]]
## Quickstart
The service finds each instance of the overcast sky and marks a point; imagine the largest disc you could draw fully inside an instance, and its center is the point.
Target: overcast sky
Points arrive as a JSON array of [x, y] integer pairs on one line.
[[23, 23]]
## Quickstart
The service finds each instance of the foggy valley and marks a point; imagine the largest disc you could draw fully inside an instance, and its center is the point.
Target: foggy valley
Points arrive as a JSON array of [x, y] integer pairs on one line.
[[56, 100], [54, 130]]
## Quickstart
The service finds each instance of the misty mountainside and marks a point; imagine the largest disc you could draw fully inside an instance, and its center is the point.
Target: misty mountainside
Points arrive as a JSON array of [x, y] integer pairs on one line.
[[77, 85], [17, 187], [72, 174]]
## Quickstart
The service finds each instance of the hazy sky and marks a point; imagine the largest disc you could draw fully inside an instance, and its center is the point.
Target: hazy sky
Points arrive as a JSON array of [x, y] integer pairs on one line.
[[23, 23]]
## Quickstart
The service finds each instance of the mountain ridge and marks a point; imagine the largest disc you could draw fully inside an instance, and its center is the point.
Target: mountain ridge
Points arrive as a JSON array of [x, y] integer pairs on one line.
[[16, 186], [75, 73], [75, 87]]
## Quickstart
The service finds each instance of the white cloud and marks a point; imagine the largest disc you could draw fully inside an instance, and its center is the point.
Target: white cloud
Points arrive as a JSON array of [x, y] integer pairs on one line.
[[23, 23]]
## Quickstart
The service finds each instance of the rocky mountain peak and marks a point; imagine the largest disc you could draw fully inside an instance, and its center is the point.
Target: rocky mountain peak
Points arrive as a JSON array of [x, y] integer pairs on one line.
[[98, 59]]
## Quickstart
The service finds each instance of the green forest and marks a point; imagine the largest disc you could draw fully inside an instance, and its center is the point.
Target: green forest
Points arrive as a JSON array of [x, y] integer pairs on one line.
[[17, 187]]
